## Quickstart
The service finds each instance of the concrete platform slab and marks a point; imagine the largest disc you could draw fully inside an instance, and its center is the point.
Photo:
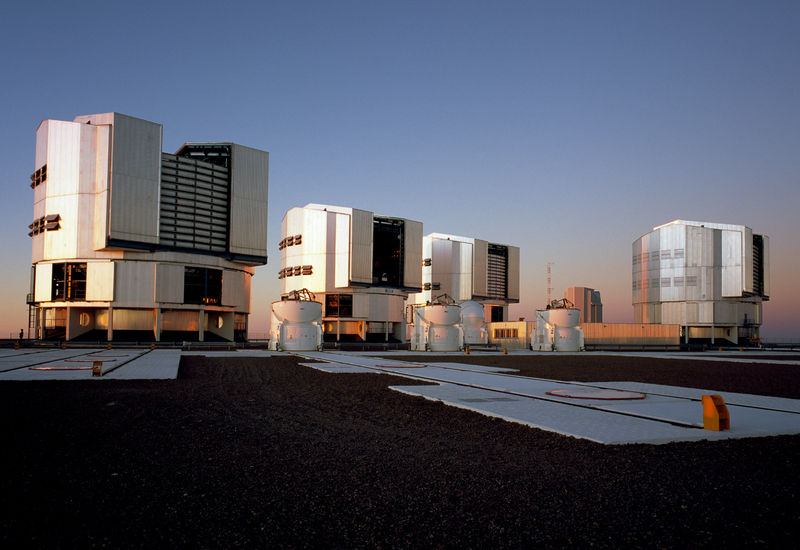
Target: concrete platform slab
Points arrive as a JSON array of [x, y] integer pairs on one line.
[[69, 364], [159, 364], [338, 368], [669, 414]]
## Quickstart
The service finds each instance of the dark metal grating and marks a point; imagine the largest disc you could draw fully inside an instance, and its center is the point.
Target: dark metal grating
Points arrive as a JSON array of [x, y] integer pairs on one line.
[[497, 280], [194, 204]]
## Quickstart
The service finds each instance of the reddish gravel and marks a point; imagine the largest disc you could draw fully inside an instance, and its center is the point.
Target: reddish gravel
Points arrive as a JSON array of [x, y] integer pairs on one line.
[[266, 453]]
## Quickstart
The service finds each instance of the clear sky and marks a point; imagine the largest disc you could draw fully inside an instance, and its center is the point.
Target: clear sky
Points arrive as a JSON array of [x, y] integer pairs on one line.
[[566, 128]]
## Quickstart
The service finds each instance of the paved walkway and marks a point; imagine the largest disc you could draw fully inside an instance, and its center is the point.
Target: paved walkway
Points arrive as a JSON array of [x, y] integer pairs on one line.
[[666, 414]]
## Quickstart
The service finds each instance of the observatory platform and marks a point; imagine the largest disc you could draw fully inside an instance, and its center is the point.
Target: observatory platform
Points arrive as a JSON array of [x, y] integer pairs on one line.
[[666, 413]]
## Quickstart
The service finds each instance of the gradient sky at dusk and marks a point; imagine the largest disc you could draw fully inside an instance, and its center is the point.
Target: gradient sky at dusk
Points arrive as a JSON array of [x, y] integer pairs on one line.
[[567, 128]]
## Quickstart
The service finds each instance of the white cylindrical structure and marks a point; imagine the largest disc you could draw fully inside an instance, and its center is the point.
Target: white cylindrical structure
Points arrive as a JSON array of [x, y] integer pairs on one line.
[[473, 324], [557, 329], [296, 325], [437, 328]]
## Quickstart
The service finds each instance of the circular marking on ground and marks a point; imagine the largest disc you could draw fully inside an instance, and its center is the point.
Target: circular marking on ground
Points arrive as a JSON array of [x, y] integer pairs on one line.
[[596, 393]]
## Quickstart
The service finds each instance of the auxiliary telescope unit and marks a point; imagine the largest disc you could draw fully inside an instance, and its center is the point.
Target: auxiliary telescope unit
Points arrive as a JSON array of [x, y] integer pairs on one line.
[[558, 328], [296, 323], [437, 326]]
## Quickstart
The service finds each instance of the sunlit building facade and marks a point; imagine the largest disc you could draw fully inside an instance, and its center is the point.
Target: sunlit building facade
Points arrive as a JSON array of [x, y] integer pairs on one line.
[[588, 301], [133, 243], [466, 268], [359, 265], [709, 278]]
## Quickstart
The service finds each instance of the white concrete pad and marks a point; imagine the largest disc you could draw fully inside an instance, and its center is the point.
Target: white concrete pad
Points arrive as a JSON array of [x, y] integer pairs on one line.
[[233, 353], [668, 414], [158, 364], [730, 398], [474, 368], [553, 417], [338, 368], [70, 364]]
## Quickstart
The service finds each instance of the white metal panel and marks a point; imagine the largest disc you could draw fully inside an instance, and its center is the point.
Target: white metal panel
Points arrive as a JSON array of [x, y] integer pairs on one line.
[[513, 274], [747, 246], [61, 189], [234, 291], [378, 307], [134, 284], [341, 253], [412, 262], [480, 268], [361, 305], [135, 179], [43, 285], [169, 283], [464, 272], [100, 281], [444, 253], [361, 229], [732, 269], [705, 311], [249, 193], [101, 151]]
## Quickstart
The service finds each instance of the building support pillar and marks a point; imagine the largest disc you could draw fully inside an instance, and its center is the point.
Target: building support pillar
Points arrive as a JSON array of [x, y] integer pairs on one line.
[[201, 324], [68, 326], [157, 325], [110, 333]]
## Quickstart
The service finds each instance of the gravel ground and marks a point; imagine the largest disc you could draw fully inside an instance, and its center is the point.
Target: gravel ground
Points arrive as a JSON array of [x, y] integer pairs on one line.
[[266, 453]]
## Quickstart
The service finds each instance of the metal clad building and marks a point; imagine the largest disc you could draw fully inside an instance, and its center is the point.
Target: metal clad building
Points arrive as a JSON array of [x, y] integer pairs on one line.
[[131, 240], [709, 278], [465, 268], [361, 266]]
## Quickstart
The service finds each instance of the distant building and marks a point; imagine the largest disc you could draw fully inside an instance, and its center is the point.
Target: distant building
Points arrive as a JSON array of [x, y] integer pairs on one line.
[[709, 278], [466, 268], [587, 300], [133, 243], [361, 266]]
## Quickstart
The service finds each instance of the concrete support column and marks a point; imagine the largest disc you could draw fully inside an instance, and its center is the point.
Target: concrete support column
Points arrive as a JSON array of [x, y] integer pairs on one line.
[[70, 327], [110, 334], [201, 324], [157, 324]]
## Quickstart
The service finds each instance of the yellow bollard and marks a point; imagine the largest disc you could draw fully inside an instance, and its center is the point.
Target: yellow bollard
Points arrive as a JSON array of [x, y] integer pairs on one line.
[[715, 414], [16, 345], [741, 349], [97, 368], [153, 345], [505, 351], [63, 345], [108, 346], [466, 350], [720, 348]]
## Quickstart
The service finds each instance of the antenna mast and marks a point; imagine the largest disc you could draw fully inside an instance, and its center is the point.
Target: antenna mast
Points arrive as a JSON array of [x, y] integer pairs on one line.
[[549, 288]]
